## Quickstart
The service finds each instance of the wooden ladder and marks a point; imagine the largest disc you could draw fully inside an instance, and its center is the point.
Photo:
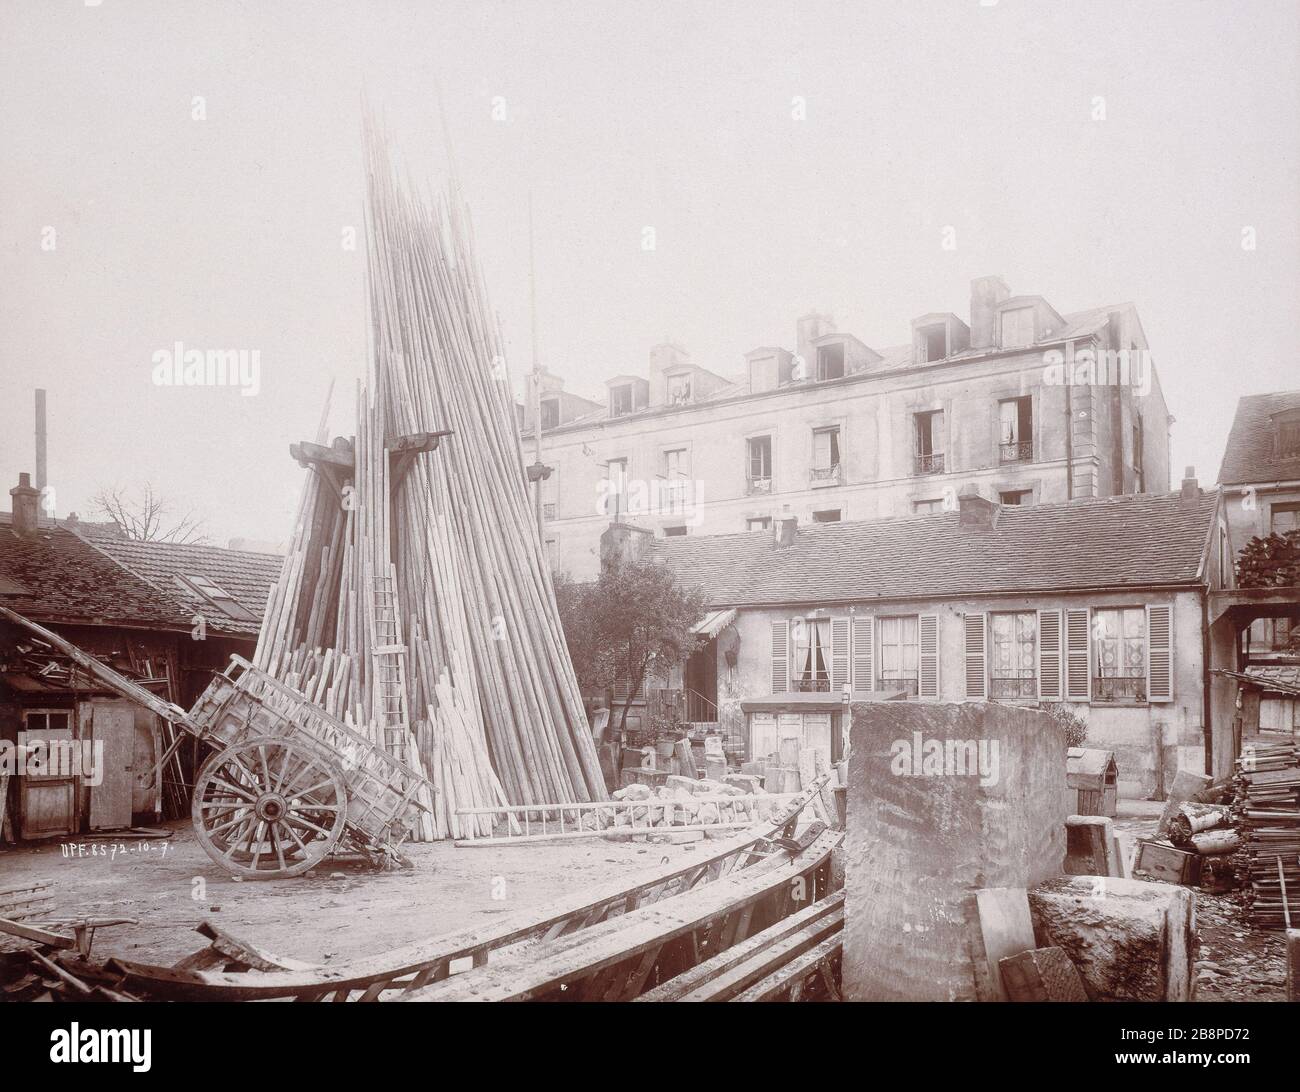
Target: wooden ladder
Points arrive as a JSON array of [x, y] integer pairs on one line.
[[388, 667]]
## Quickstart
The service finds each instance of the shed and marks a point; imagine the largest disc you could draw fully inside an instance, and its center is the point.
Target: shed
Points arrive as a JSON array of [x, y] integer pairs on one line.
[[1094, 775]]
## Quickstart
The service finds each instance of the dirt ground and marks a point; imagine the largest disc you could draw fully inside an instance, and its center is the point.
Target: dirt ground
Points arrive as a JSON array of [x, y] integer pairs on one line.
[[347, 910], [1235, 961]]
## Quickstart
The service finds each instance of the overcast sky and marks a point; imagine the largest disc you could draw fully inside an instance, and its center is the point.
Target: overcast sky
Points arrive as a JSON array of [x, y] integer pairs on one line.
[[226, 231]]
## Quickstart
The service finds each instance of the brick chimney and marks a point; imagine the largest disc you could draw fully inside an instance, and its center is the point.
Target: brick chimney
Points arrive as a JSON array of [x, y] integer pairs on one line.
[[976, 511], [1191, 488], [622, 542], [807, 330], [784, 529], [26, 507], [985, 294]]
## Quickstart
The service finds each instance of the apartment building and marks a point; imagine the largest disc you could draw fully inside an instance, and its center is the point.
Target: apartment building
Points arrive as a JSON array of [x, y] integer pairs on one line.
[[1022, 403], [1260, 478]]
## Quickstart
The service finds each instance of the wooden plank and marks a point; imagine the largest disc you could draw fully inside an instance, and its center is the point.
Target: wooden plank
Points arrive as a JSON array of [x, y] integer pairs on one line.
[[521, 975], [703, 972], [795, 972], [1005, 927]]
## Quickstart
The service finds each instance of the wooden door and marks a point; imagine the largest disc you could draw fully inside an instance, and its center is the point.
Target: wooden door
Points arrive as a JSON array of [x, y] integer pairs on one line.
[[47, 801], [113, 725]]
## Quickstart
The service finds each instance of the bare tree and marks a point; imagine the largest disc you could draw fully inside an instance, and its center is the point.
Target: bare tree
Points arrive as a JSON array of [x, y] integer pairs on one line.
[[147, 516]]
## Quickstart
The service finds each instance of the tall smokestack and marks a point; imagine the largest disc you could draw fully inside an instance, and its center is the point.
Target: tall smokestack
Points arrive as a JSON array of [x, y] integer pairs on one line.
[[40, 438]]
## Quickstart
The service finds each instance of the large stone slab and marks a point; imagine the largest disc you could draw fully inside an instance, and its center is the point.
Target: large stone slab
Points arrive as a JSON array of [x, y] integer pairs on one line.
[[925, 833], [1132, 940]]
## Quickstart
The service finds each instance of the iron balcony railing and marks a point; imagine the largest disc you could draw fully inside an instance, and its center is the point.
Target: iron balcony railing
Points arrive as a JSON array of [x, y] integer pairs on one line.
[[811, 686], [930, 464], [825, 475], [911, 687], [1016, 452], [758, 485], [1013, 688], [1119, 688]]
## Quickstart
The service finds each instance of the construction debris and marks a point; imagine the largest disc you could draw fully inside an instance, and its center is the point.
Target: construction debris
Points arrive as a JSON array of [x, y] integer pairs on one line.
[[1131, 940], [1266, 808]]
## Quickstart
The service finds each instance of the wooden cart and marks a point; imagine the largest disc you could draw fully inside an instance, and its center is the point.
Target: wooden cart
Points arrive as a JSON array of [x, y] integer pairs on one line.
[[289, 783]]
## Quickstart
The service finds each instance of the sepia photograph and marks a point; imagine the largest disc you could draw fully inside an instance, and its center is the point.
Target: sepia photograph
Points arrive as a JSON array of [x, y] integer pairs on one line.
[[573, 500]]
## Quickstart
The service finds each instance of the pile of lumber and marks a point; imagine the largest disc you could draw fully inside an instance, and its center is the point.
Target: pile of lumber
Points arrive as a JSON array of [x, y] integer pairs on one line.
[[416, 602], [1270, 562], [1267, 813]]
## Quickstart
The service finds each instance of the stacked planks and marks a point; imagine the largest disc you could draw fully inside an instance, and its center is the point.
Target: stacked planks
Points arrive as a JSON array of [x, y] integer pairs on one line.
[[489, 705], [1267, 810]]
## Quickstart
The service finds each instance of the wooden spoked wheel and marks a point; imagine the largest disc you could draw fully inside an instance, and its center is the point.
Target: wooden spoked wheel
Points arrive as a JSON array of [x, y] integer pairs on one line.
[[269, 807]]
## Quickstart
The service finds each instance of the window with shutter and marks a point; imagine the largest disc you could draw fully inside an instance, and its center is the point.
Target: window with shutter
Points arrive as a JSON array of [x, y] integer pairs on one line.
[[928, 685], [976, 655], [1049, 655], [780, 657], [1077, 673], [839, 654], [1160, 654], [864, 648]]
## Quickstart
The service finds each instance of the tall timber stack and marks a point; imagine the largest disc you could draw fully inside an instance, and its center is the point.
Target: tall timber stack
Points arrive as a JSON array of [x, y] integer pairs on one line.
[[1267, 810], [419, 606]]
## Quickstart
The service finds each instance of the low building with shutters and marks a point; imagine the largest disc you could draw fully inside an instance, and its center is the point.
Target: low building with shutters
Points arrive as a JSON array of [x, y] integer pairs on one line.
[[1098, 604]]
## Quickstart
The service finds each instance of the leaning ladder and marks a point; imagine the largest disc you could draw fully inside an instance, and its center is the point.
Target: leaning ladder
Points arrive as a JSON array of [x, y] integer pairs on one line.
[[388, 667]]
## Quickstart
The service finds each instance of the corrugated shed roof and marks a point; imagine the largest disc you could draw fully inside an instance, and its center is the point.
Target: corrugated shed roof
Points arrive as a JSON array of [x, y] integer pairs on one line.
[[1250, 455], [1089, 544]]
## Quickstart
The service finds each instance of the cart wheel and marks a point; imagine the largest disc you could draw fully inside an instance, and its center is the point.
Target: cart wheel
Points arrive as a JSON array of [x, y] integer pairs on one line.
[[269, 807]]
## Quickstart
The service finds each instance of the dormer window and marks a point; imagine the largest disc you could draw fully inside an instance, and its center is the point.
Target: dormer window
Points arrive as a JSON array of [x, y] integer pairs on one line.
[[620, 400], [933, 342], [550, 412], [205, 592], [679, 389], [830, 362], [1287, 437], [1017, 330]]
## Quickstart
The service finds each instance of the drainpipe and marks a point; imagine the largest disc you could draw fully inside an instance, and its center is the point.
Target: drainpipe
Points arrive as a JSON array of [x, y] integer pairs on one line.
[[1069, 422], [1207, 725]]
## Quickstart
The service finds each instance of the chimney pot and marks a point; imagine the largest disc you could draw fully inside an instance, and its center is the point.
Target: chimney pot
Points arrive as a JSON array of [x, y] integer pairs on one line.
[[985, 294], [26, 506], [784, 529], [976, 511], [1191, 487]]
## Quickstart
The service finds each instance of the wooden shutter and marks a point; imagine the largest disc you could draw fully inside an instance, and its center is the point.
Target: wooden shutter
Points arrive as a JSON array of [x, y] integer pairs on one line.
[[1049, 655], [1078, 662], [839, 654], [864, 653], [1160, 654], [780, 657], [928, 630], [976, 647]]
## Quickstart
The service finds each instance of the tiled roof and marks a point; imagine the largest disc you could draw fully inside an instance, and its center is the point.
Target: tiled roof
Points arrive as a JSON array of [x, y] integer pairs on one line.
[[1250, 455], [59, 577], [247, 576], [1089, 544]]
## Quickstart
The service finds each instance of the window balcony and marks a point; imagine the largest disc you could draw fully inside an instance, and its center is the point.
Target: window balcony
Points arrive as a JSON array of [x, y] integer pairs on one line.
[[1016, 452], [825, 475], [910, 687], [1119, 688], [1013, 689], [929, 464], [757, 486], [811, 686]]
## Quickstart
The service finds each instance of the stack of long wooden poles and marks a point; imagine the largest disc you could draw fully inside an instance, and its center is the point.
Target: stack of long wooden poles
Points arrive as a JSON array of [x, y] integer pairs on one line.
[[493, 711]]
